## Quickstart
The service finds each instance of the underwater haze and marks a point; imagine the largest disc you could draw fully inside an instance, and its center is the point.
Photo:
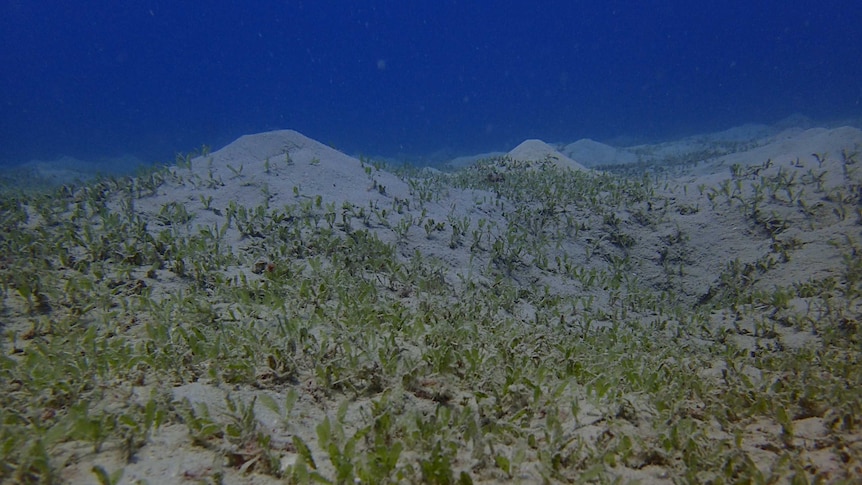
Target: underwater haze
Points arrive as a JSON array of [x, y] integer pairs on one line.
[[97, 79]]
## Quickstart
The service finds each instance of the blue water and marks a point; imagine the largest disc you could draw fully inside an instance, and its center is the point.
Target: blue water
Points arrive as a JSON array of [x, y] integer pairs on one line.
[[100, 78]]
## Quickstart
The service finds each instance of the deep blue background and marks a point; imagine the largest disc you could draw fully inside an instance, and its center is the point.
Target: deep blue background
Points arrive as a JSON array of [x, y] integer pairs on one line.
[[95, 78]]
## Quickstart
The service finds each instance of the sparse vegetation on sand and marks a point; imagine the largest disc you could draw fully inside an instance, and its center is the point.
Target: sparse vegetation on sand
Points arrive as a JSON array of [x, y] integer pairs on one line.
[[567, 326]]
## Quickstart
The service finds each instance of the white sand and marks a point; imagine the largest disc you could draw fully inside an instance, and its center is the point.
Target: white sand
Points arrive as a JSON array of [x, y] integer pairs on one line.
[[538, 151], [284, 167]]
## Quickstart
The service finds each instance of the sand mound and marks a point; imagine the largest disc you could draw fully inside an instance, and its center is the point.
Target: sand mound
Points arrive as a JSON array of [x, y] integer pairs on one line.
[[537, 151], [272, 144], [794, 143], [592, 153], [274, 169]]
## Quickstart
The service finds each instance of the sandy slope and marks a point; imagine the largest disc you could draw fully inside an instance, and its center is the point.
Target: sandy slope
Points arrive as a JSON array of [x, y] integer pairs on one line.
[[688, 223]]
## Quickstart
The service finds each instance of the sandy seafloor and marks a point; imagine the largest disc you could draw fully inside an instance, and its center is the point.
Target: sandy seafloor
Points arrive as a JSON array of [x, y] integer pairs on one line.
[[755, 229]]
